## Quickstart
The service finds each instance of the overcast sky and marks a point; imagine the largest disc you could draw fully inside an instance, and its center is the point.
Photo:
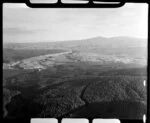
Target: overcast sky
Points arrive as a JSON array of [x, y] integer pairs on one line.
[[23, 24]]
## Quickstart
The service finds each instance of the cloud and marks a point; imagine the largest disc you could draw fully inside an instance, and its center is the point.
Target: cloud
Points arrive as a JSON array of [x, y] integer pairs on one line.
[[16, 31]]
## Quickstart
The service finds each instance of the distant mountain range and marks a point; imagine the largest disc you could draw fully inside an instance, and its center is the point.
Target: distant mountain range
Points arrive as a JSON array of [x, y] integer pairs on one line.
[[126, 50], [114, 42], [129, 46]]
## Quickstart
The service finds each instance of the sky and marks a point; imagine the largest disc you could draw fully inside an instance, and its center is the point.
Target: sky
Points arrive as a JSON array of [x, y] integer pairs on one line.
[[23, 24]]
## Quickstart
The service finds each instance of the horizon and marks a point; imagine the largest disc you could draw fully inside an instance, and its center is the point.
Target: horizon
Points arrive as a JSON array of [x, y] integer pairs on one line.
[[73, 40], [25, 25]]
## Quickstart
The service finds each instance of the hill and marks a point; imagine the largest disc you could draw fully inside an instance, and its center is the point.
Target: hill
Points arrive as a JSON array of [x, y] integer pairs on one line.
[[96, 77], [129, 46]]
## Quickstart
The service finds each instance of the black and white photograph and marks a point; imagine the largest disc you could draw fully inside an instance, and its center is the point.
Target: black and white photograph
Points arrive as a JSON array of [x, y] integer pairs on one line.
[[75, 62]]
